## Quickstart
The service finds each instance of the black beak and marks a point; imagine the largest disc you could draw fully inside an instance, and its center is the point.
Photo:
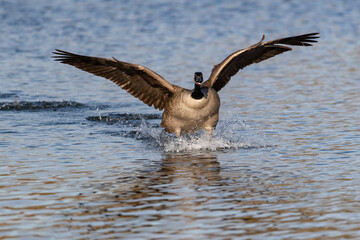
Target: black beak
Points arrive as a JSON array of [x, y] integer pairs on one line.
[[198, 80]]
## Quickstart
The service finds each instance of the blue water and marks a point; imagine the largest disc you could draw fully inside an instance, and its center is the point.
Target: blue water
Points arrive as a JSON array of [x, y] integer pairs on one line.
[[82, 159]]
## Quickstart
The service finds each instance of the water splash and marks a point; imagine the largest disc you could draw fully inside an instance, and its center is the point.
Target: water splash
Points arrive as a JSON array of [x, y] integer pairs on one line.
[[234, 135], [98, 110]]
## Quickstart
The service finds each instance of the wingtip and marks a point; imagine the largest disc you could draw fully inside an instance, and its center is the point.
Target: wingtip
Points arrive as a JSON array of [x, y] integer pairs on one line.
[[312, 35], [62, 51], [59, 52], [262, 38], [55, 54], [60, 55], [311, 38]]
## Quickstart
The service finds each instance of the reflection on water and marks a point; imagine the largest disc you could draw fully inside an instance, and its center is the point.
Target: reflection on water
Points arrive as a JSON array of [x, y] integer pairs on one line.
[[166, 194], [193, 196], [81, 159]]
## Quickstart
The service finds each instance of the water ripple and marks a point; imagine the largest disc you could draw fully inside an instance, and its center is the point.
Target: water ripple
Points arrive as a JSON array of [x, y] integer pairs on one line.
[[39, 105], [283, 162]]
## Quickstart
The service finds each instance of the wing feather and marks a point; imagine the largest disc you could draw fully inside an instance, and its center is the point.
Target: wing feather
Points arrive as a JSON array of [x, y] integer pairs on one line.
[[222, 72], [137, 80]]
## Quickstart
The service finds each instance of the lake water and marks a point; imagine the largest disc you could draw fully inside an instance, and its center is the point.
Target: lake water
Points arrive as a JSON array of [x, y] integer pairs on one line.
[[82, 159]]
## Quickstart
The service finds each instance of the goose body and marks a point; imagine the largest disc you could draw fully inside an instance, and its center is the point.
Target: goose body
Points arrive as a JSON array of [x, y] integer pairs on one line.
[[185, 110], [184, 114]]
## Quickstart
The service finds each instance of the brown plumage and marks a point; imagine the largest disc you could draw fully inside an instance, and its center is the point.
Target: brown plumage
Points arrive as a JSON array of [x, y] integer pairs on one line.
[[184, 110], [221, 73]]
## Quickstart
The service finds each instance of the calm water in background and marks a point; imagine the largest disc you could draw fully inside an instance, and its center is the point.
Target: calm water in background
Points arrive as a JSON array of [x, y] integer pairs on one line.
[[80, 158]]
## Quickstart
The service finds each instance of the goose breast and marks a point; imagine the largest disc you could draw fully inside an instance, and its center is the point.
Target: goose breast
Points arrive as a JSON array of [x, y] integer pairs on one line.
[[184, 114]]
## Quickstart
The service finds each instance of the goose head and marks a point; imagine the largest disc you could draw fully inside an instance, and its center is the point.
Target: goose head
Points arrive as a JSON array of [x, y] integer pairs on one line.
[[198, 78]]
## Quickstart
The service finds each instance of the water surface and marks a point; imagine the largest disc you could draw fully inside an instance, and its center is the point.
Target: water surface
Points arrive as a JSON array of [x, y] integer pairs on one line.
[[82, 159]]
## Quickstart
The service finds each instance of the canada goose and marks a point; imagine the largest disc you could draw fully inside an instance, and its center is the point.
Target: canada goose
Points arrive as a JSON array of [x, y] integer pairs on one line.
[[185, 110]]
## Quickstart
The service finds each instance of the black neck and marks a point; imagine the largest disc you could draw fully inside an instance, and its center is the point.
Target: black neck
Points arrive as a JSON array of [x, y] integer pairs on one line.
[[197, 94]]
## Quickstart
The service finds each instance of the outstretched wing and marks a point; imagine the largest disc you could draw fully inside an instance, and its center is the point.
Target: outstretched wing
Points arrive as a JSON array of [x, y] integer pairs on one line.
[[221, 73], [137, 80]]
